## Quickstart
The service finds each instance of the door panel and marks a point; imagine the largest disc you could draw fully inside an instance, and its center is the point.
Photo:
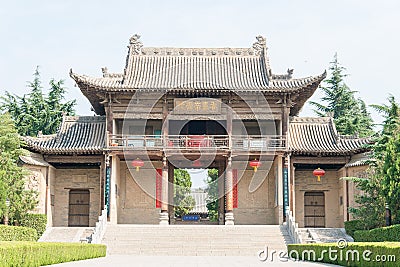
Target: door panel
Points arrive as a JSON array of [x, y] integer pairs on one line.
[[314, 209], [78, 214]]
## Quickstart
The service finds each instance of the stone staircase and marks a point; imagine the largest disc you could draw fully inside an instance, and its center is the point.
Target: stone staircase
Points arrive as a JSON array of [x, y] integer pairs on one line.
[[323, 235], [329, 235], [66, 234], [305, 236], [194, 240]]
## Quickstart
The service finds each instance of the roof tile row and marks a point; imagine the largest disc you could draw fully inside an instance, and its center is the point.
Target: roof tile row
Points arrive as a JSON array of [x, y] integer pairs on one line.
[[82, 135], [319, 136]]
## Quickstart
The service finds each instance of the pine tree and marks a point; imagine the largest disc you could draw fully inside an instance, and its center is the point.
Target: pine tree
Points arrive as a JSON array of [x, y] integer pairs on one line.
[[383, 184], [388, 170], [391, 114], [386, 154], [350, 114], [35, 111], [12, 176]]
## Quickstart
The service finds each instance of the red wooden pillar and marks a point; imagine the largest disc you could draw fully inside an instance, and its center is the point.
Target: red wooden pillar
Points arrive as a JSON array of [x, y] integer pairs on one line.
[[229, 219]]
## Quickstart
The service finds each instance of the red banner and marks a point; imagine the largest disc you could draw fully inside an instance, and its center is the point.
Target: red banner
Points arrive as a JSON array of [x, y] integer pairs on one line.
[[158, 187], [235, 188]]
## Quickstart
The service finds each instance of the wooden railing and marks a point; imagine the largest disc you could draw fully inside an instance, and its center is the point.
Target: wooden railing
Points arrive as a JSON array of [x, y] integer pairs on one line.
[[136, 141], [197, 141], [190, 142], [258, 142]]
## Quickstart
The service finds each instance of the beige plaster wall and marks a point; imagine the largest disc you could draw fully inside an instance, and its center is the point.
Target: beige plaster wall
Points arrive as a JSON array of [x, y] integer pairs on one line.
[[36, 180], [136, 203], [353, 191], [51, 196], [256, 195], [305, 181], [67, 179]]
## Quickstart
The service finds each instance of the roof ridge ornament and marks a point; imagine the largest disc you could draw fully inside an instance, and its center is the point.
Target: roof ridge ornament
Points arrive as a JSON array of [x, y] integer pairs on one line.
[[135, 44], [259, 45], [104, 70]]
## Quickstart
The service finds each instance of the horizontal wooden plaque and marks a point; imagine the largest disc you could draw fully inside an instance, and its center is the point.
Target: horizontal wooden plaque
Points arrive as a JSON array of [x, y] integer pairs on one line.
[[197, 106]]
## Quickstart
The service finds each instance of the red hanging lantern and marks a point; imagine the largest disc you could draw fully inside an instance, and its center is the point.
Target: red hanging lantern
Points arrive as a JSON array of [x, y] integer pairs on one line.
[[319, 172], [255, 164], [137, 163]]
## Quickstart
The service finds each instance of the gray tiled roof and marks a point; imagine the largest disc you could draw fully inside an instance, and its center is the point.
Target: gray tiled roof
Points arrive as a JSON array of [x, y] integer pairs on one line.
[[314, 136], [241, 74], [83, 135], [181, 70], [34, 159], [361, 159]]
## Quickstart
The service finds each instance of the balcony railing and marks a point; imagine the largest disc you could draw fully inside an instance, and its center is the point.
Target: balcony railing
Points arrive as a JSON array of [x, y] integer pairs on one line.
[[198, 142], [136, 141], [258, 142]]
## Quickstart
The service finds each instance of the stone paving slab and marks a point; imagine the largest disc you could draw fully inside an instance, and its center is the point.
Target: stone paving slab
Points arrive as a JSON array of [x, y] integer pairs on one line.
[[185, 261]]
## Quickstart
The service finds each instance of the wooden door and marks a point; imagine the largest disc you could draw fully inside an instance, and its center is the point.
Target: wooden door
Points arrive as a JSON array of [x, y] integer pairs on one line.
[[314, 209], [78, 214]]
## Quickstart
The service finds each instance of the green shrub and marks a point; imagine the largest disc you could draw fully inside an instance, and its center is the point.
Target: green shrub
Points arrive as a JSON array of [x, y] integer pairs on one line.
[[390, 233], [35, 221], [17, 233], [352, 226], [354, 254], [40, 253]]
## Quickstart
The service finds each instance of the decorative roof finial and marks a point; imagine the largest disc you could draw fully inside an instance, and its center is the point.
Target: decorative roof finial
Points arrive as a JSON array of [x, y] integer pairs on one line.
[[135, 44], [259, 45], [105, 71], [290, 73]]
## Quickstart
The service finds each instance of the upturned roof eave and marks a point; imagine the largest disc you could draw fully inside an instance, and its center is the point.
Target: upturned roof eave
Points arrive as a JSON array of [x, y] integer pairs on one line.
[[92, 83], [296, 152]]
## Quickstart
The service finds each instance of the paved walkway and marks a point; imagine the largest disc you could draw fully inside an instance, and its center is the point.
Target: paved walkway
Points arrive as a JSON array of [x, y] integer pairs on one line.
[[185, 261]]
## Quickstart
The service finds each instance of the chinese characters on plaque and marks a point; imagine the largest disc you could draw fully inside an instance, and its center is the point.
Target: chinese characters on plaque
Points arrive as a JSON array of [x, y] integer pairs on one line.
[[197, 106]]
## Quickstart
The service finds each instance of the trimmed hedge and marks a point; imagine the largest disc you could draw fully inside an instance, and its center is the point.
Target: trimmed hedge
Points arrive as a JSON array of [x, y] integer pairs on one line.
[[40, 253], [352, 226], [354, 254], [390, 233], [17, 233], [35, 221]]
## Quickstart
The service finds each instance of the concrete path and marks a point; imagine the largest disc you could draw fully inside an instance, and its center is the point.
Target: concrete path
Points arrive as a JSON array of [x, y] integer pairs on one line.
[[185, 261]]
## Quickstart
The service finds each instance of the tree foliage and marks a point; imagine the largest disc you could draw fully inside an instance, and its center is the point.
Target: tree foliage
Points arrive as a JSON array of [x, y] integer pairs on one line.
[[36, 111], [386, 153], [183, 201], [370, 211], [391, 114], [388, 170], [212, 191], [383, 184], [350, 114], [12, 176]]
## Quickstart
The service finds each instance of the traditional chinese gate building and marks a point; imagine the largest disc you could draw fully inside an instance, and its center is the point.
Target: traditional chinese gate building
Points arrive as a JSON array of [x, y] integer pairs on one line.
[[195, 108]]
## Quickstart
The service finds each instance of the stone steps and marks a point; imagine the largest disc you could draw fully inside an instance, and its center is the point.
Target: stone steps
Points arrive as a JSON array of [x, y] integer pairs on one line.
[[200, 240], [66, 234], [329, 235]]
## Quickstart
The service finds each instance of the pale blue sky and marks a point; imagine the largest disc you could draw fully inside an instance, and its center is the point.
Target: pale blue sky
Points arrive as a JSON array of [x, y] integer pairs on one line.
[[198, 177], [304, 35]]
